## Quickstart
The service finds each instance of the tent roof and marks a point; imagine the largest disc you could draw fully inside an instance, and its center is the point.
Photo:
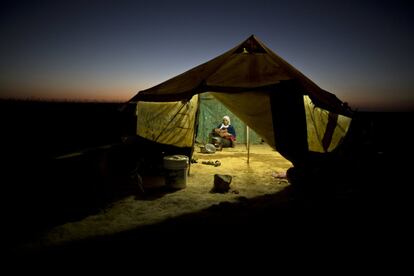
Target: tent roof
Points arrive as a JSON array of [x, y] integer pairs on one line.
[[250, 66]]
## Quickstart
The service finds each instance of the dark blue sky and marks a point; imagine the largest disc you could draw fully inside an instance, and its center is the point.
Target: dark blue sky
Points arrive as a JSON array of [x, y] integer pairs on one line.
[[362, 51]]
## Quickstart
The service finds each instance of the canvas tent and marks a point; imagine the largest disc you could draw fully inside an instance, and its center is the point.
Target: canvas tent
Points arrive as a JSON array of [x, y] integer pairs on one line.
[[289, 111]]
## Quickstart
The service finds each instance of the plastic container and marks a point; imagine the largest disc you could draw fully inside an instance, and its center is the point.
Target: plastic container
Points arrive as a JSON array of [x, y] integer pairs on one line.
[[176, 167]]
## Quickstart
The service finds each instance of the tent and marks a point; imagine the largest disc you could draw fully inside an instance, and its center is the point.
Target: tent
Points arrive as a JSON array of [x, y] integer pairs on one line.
[[289, 111]]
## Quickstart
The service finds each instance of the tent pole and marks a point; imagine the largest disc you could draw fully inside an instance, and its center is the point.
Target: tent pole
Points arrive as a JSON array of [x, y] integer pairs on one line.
[[248, 143], [197, 115]]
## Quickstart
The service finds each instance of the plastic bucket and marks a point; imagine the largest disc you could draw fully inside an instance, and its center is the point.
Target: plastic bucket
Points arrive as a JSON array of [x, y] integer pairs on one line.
[[176, 171]]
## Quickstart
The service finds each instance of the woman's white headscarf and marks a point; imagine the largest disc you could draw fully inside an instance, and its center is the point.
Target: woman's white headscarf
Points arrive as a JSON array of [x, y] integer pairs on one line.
[[227, 118], [223, 125]]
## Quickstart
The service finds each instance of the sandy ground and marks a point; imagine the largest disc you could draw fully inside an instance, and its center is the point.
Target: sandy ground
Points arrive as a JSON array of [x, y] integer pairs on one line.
[[249, 180]]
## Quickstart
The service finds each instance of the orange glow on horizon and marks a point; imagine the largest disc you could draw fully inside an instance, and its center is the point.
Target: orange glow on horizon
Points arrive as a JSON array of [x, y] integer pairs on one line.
[[122, 93]]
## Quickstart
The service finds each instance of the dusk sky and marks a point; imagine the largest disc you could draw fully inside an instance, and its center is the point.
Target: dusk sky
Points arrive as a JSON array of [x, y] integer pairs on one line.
[[362, 51]]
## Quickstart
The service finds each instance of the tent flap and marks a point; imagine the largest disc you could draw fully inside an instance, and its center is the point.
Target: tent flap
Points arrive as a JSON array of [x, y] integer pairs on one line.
[[170, 123], [325, 129]]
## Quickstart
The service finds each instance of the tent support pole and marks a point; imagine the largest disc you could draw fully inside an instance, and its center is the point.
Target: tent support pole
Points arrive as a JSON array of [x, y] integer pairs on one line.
[[197, 116], [248, 143]]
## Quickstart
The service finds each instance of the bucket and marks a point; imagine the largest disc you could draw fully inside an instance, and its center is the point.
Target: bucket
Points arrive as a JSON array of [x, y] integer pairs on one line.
[[176, 171]]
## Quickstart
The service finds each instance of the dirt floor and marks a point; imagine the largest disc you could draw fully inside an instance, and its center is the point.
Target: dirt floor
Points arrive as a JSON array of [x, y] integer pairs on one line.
[[263, 175]]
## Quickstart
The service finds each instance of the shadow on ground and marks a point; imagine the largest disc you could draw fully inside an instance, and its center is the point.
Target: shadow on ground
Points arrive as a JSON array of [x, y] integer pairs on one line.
[[346, 204], [352, 199]]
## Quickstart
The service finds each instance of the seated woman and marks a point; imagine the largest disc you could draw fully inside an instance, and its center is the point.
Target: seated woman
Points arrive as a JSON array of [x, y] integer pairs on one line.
[[224, 135]]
